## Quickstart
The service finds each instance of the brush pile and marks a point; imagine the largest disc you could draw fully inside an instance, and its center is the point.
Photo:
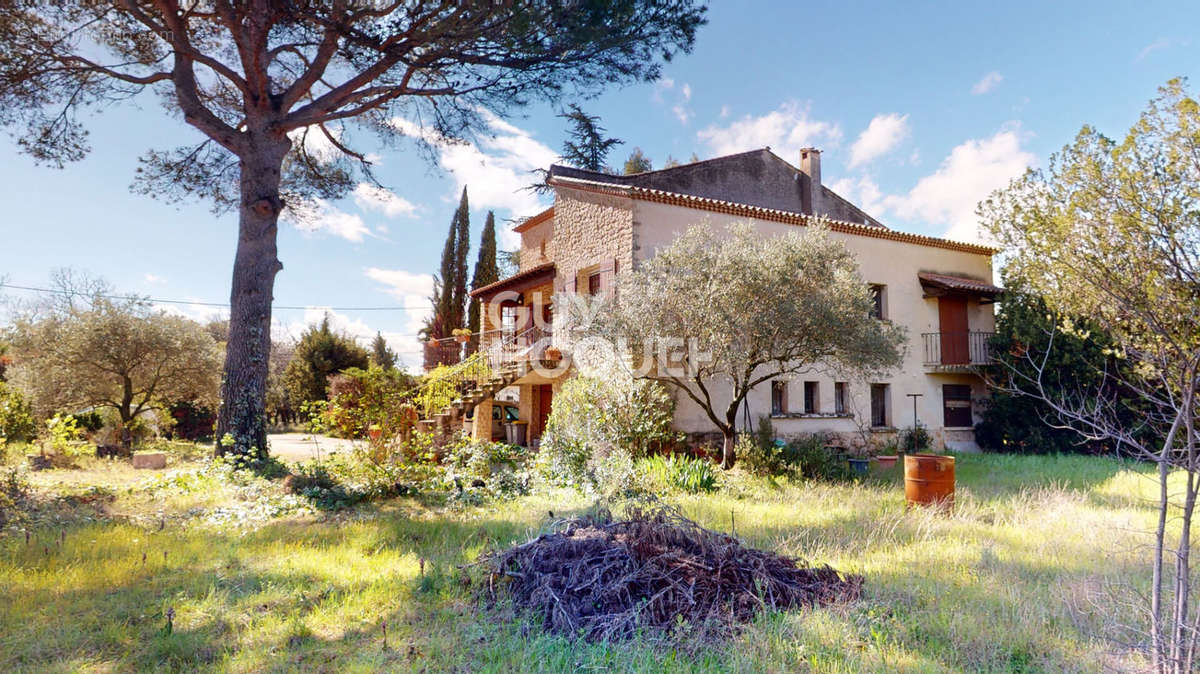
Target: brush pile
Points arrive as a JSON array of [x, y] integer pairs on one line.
[[653, 571]]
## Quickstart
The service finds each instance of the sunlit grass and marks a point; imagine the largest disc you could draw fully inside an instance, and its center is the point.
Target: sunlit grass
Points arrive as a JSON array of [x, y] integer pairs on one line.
[[993, 586]]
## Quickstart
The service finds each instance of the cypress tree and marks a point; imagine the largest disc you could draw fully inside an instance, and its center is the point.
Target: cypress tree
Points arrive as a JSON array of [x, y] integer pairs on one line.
[[450, 286], [486, 269], [458, 300]]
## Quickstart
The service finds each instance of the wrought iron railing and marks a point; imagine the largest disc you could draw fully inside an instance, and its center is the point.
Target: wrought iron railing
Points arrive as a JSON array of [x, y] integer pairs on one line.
[[957, 348]]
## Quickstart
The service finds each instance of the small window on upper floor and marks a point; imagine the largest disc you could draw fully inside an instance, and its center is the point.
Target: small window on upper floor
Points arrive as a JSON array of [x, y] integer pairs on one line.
[[879, 301]]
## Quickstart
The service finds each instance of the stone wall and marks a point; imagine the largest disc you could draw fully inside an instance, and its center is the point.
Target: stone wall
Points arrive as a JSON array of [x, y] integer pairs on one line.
[[590, 231]]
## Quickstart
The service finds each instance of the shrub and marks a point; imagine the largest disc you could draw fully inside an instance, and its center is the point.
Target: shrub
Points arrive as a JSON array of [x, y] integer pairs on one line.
[[360, 400], [914, 439], [16, 417], [802, 456], [495, 466], [595, 419], [14, 495], [676, 471], [191, 421]]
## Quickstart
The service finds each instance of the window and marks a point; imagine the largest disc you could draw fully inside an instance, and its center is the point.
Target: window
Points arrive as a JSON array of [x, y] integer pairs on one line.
[[956, 405], [880, 404], [811, 402], [778, 397], [839, 397], [508, 320], [879, 301], [594, 283]]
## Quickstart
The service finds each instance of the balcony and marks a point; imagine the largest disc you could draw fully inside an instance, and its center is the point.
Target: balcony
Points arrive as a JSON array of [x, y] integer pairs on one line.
[[957, 351]]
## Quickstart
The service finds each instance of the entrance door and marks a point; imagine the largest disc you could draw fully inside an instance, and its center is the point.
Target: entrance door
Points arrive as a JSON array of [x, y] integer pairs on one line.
[[952, 317], [545, 394]]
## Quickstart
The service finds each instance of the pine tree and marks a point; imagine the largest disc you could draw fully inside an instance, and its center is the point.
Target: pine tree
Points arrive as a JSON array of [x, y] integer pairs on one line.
[[486, 270], [381, 354], [638, 162], [586, 146]]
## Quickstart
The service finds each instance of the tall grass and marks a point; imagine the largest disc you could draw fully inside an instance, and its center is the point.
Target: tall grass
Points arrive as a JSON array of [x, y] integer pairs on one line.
[[1016, 578]]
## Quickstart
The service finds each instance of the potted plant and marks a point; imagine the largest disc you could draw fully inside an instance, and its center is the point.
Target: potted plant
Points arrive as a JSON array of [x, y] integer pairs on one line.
[[374, 431], [461, 335], [553, 353]]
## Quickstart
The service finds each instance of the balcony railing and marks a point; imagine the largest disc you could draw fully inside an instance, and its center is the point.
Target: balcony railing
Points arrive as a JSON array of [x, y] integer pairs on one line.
[[961, 349]]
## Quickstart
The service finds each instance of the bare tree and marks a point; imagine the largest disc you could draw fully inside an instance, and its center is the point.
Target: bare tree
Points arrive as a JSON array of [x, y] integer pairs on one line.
[[266, 82], [1111, 231]]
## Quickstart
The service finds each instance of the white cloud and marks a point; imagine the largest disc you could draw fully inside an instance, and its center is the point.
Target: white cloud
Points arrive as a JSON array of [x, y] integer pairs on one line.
[[724, 111], [988, 83], [1158, 45], [883, 134], [682, 97], [373, 198], [318, 215], [154, 279], [785, 130], [411, 290], [972, 171], [497, 170], [862, 192]]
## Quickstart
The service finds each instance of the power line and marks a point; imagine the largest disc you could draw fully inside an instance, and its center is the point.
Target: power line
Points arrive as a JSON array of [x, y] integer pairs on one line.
[[134, 298]]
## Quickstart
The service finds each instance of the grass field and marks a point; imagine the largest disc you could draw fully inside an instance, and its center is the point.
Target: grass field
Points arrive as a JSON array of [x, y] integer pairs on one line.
[[1028, 574]]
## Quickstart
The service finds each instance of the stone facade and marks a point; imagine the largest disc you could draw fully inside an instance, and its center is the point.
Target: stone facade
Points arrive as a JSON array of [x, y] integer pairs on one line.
[[592, 232]]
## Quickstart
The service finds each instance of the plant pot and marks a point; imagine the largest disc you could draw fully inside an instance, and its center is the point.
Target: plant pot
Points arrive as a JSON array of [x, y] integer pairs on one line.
[[462, 339], [859, 466], [886, 462], [374, 433]]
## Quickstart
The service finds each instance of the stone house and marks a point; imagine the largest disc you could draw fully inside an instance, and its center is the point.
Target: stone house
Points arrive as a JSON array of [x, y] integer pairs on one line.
[[601, 225]]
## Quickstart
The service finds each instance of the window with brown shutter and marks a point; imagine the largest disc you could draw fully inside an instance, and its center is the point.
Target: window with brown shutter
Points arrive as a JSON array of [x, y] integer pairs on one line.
[[956, 406], [778, 397]]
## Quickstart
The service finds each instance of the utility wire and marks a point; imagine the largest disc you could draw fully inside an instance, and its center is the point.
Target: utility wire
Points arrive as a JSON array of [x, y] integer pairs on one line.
[[133, 298]]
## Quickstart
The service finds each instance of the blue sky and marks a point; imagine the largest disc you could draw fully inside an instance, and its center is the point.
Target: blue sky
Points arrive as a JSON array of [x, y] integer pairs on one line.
[[921, 109]]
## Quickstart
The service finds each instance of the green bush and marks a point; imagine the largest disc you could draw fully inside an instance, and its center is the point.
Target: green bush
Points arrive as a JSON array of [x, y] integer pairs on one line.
[[803, 456], [360, 400], [14, 495], [687, 473], [499, 468], [914, 439], [599, 426], [16, 417]]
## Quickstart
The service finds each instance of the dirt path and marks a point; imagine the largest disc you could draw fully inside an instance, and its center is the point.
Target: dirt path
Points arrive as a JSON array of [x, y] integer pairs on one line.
[[292, 447]]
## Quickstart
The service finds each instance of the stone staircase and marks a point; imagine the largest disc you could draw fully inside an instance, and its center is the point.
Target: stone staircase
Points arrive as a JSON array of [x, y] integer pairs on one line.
[[443, 422]]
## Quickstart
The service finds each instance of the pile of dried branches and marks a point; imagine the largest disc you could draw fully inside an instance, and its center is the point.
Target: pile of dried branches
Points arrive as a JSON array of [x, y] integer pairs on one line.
[[655, 570]]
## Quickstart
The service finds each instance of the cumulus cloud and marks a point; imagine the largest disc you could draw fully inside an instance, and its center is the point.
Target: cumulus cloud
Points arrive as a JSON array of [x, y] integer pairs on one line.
[[498, 168], [972, 171], [318, 215], [862, 192], [785, 130], [410, 290], [989, 82], [373, 198], [881, 136]]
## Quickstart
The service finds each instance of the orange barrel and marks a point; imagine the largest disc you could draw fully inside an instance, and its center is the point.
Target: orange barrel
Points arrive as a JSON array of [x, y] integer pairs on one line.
[[929, 479]]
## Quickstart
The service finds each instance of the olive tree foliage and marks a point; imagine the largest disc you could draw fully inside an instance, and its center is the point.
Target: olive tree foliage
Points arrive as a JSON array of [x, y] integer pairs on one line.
[[1110, 230], [277, 89], [719, 312], [121, 354]]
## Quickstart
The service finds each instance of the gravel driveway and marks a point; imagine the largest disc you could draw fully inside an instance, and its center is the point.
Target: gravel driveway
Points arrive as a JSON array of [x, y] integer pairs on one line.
[[292, 447]]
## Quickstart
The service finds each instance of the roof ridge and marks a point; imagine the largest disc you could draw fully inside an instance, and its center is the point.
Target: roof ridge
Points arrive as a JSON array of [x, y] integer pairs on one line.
[[733, 208]]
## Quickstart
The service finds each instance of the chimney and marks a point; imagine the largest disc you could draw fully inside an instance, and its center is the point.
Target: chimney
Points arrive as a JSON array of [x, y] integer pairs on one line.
[[810, 190]]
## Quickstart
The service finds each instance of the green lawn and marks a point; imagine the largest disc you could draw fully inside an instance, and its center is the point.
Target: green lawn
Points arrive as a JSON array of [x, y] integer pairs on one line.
[[1027, 574]]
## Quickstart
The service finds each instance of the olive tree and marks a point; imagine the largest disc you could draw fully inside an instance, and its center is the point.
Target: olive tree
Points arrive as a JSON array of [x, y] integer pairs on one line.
[[717, 313], [117, 354], [1110, 230], [268, 82]]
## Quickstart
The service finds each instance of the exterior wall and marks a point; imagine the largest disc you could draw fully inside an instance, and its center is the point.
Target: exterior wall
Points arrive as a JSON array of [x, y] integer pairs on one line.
[[882, 261], [590, 230], [537, 245]]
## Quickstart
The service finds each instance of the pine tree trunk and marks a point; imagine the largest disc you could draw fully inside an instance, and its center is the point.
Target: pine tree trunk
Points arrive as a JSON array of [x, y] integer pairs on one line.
[[243, 389]]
